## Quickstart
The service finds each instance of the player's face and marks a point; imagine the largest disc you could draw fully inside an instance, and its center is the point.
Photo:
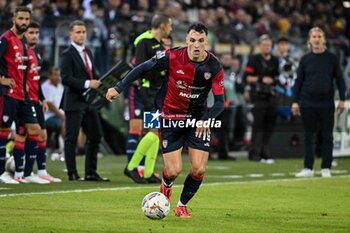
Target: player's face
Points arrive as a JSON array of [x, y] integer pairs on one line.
[[21, 21], [78, 34], [32, 36], [265, 46], [167, 28], [196, 43], [317, 40]]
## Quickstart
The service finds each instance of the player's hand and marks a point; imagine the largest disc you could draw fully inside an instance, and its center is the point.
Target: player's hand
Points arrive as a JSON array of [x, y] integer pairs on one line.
[[10, 82], [202, 132], [94, 84], [340, 107], [267, 80], [45, 106], [295, 109], [111, 94]]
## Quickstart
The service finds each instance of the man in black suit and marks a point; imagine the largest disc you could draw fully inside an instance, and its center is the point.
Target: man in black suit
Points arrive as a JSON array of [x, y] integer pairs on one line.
[[78, 74]]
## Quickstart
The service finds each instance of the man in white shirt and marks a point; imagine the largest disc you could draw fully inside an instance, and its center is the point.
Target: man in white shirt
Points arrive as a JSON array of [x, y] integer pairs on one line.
[[53, 90]]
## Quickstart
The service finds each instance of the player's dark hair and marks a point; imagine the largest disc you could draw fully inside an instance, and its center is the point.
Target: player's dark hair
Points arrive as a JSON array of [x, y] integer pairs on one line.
[[198, 27], [33, 24], [76, 23], [158, 19], [22, 9]]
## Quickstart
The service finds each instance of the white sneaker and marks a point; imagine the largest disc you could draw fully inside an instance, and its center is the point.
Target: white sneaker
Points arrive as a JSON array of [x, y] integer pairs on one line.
[[305, 173], [5, 178], [326, 173], [20, 180], [50, 178], [36, 179], [267, 161]]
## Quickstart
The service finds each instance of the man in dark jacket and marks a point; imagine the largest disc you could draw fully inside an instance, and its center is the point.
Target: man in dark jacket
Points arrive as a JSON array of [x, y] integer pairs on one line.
[[78, 74], [314, 98]]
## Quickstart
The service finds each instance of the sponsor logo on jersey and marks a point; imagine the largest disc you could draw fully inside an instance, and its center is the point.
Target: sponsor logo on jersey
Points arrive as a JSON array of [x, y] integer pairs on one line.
[[189, 96], [183, 85], [180, 72]]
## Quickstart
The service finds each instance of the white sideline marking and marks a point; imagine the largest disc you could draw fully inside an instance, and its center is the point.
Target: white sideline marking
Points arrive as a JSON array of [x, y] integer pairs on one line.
[[278, 174], [147, 187], [255, 175]]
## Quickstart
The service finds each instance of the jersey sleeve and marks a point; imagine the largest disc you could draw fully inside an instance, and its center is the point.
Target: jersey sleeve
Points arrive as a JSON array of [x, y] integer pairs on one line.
[[339, 79], [162, 60], [156, 63], [218, 83]]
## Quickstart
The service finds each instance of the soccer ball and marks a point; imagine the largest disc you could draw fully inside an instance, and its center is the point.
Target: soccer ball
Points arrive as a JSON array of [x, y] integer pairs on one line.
[[155, 206], [10, 165]]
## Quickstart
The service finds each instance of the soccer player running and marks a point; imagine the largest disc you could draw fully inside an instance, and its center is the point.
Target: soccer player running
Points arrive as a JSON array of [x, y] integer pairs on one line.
[[192, 73], [313, 95], [39, 102], [141, 98], [14, 100]]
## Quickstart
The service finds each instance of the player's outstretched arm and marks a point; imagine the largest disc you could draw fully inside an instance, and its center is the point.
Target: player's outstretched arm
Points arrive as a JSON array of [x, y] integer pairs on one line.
[[135, 73]]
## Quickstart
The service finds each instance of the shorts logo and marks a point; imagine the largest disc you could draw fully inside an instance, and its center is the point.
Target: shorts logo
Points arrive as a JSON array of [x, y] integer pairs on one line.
[[151, 120], [5, 118], [207, 75], [165, 143]]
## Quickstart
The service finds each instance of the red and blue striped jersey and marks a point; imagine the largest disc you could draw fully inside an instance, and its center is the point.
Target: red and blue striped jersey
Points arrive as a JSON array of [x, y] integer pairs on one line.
[[33, 76], [185, 91], [13, 64]]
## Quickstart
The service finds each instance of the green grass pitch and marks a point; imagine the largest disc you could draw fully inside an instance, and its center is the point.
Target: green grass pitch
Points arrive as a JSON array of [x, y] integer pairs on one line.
[[236, 196]]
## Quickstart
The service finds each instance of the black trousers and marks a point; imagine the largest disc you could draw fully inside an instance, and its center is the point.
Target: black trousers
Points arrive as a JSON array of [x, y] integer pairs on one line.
[[90, 121], [265, 115], [317, 117]]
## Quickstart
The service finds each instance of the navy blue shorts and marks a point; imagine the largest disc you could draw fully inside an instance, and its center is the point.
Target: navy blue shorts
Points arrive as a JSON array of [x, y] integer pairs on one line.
[[20, 129], [40, 115], [140, 100], [173, 139], [12, 109]]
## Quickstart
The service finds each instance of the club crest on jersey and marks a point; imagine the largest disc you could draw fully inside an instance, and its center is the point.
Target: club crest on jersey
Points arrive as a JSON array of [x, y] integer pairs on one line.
[[137, 112], [207, 75], [165, 143], [5, 118]]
